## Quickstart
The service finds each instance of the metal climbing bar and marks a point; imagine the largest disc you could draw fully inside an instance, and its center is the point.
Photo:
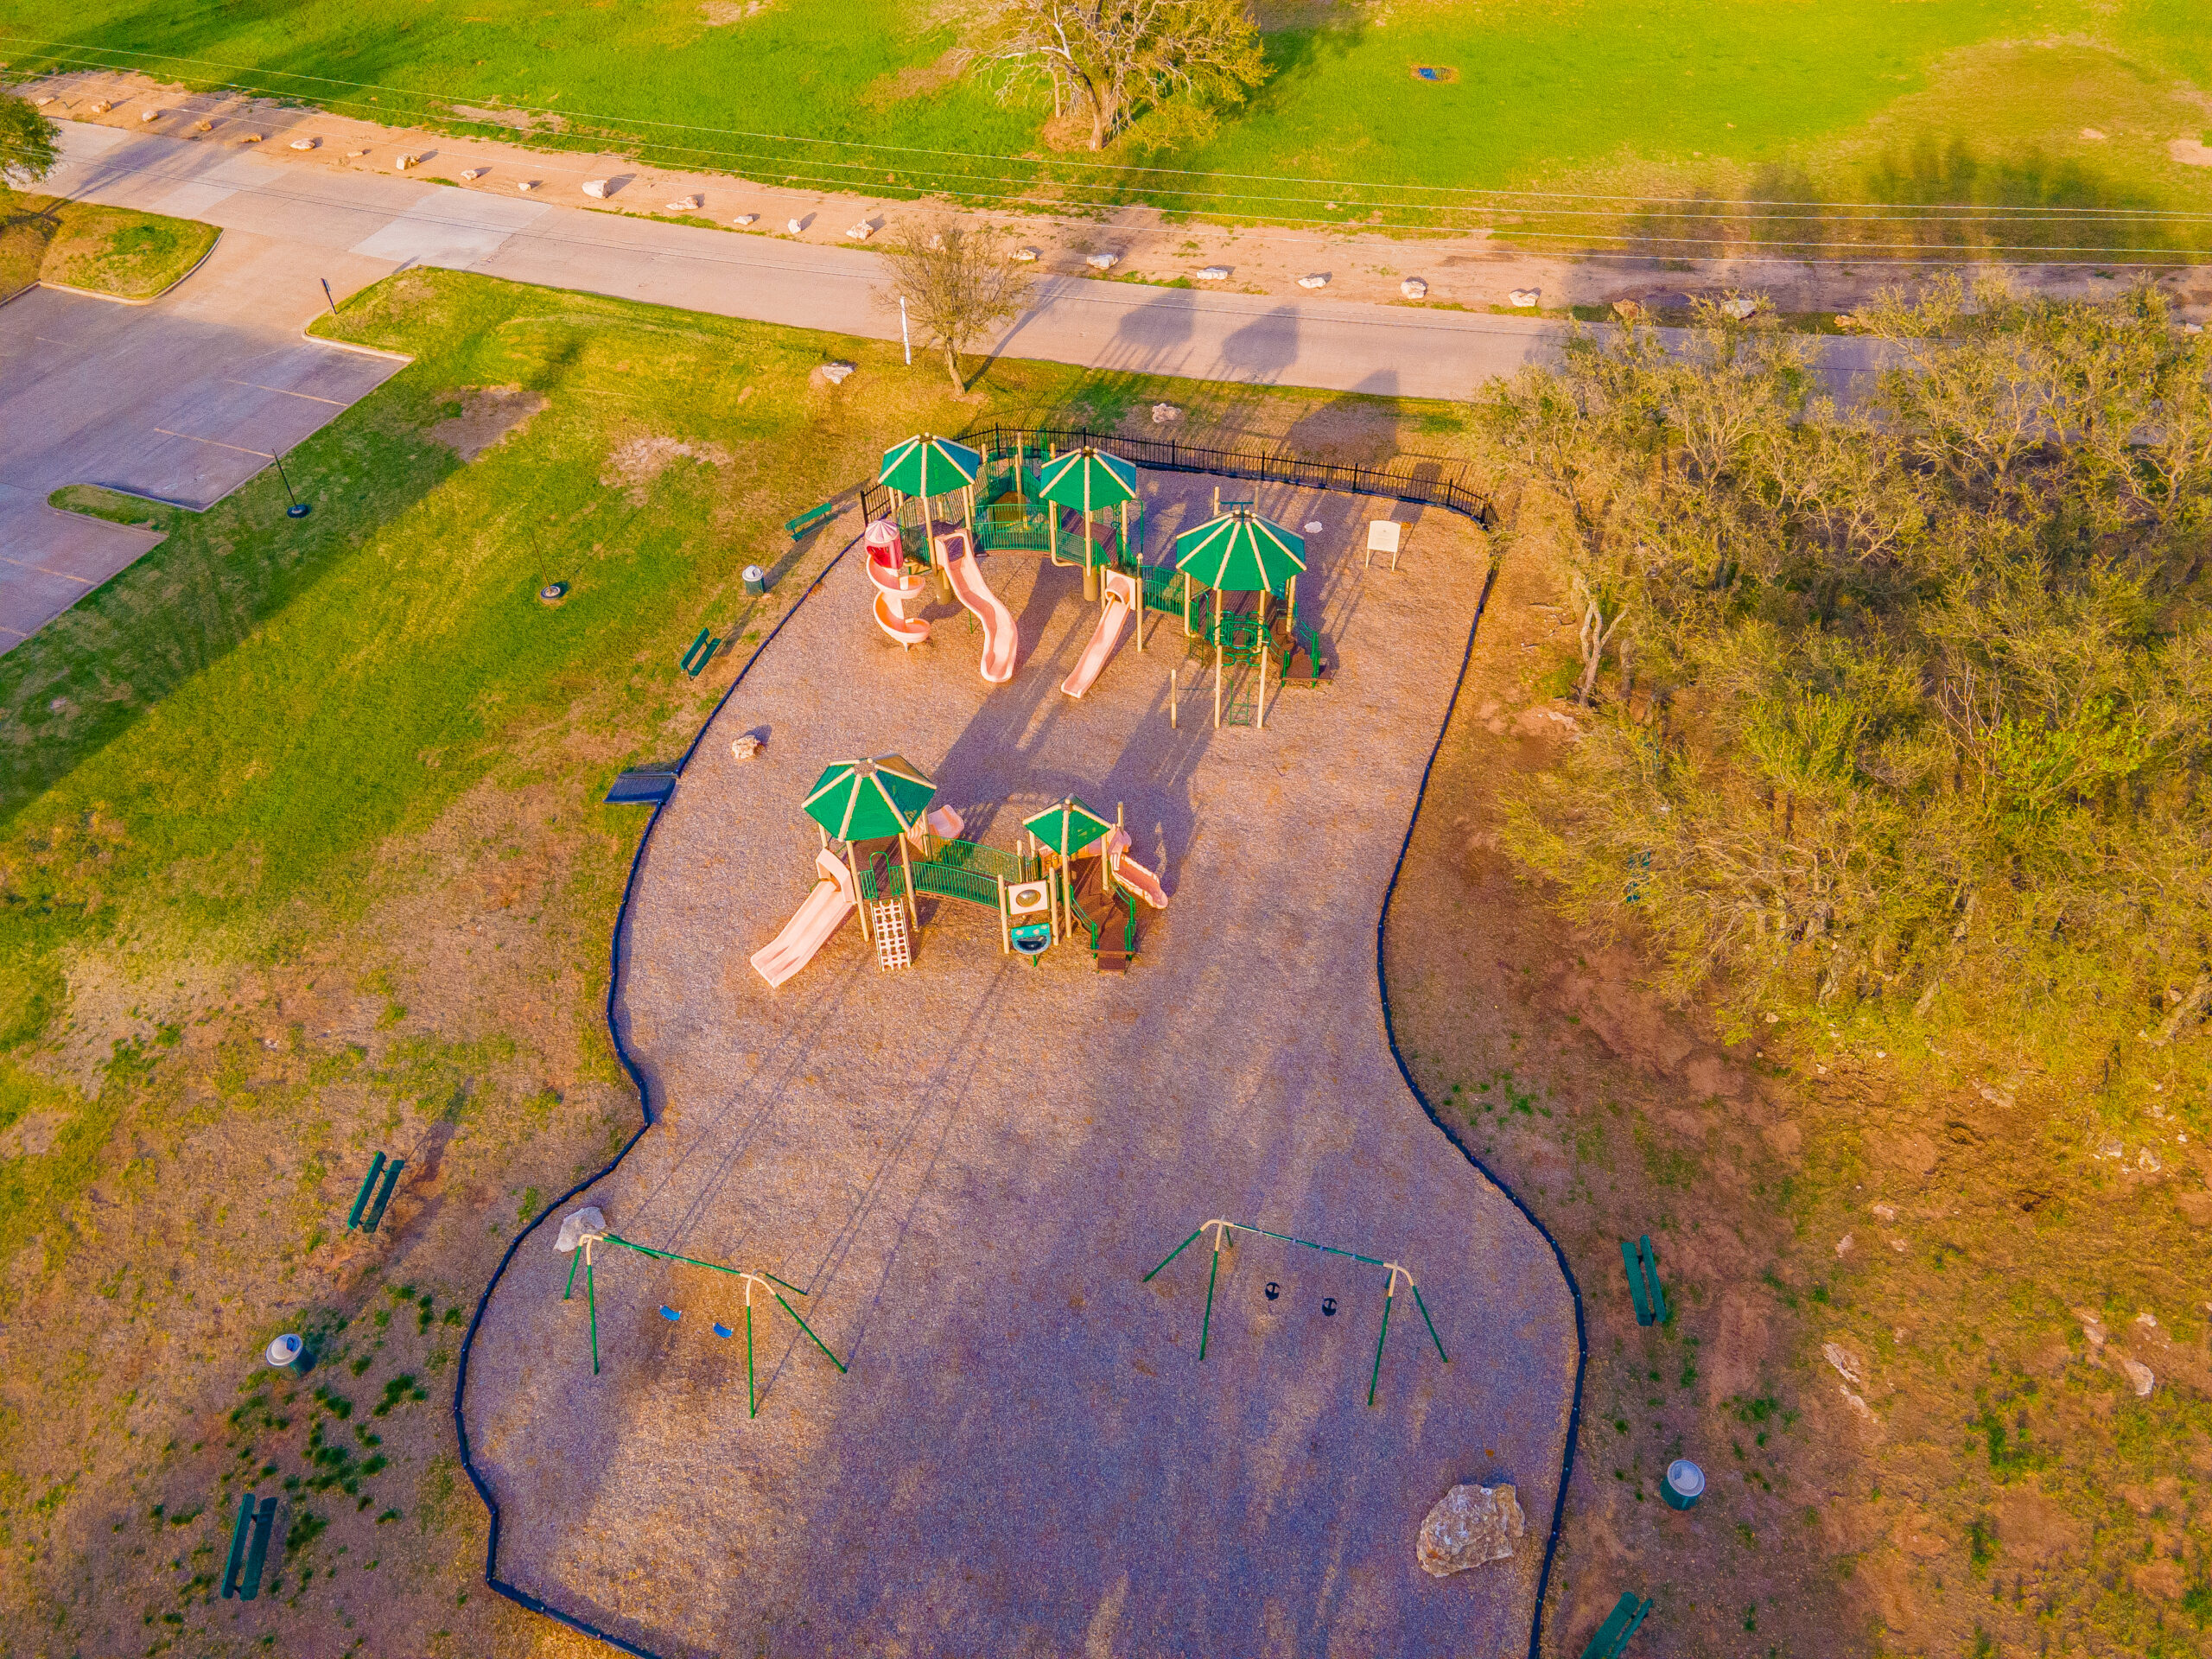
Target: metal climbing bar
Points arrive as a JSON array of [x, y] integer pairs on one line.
[[1205, 1328], [1172, 1254], [809, 1328], [1375, 1378], [1430, 1323]]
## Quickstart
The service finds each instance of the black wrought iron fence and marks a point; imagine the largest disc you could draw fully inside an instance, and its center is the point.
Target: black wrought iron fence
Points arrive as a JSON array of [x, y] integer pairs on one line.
[[1431, 480]]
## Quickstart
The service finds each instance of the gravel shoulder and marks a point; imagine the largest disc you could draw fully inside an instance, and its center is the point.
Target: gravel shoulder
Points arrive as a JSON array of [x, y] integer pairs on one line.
[[970, 1165]]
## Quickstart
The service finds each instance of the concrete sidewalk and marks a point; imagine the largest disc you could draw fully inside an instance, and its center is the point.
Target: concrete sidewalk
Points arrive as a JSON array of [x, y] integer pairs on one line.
[[1388, 351]]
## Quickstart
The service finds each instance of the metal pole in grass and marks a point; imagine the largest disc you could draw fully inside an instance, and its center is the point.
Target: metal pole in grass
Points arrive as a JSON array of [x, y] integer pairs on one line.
[[1221, 1235], [299, 508]]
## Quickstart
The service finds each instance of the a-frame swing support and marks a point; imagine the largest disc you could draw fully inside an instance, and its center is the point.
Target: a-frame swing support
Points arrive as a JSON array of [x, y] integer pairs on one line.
[[1222, 1231], [747, 1278]]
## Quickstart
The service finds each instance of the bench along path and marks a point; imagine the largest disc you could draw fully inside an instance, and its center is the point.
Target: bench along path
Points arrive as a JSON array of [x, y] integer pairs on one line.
[[970, 1164]]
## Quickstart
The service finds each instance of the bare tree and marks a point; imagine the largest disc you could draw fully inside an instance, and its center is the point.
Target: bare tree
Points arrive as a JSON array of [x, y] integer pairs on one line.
[[1120, 60], [957, 281], [30, 143]]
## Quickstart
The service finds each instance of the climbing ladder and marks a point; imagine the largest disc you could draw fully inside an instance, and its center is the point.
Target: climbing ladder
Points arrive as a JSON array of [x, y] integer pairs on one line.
[[892, 947]]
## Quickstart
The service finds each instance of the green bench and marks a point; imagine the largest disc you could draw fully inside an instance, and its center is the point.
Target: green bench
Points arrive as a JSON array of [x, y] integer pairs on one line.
[[812, 520], [390, 1172], [1641, 1260], [1612, 1640], [249, 1554]]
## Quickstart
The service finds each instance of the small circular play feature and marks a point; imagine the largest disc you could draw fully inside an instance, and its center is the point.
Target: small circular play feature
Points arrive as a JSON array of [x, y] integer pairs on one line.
[[1274, 1290], [1328, 1307], [1684, 1485], [553, 593], [1031, 938], [298, 510], [289, 1353], [1028, 897]]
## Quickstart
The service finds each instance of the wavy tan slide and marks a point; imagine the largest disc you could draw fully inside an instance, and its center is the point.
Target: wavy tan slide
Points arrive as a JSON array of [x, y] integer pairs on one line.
[[1132, 875], [830, 902], [1120, 605], [1001, 641]]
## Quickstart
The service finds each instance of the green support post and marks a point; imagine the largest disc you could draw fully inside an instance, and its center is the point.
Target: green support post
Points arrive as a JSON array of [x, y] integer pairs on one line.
[[1172, 1254], [752, 1395], [574, 1256], [1205, 1328], [591, 1298], [361, 1197], [809, 1328], [1375, 1378], [1430, 1323]]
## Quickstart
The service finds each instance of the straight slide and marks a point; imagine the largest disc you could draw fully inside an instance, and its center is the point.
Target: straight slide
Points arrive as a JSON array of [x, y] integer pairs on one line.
[[830, 902], [1121, 604], [1132, 875], [1002, 642]]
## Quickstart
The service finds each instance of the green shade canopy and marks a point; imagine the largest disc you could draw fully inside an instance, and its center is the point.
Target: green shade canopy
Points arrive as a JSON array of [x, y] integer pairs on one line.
[[866, 800], [1086, 480], [1240, 552], [924, 465], [1068, 828]]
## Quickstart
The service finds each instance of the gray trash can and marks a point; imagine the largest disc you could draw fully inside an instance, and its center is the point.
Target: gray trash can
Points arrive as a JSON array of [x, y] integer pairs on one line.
[[756, 580], [289, 1353]]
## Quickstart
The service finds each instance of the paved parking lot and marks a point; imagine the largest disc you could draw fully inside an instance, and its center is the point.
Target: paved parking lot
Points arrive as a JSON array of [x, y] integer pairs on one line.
[[183, 400]]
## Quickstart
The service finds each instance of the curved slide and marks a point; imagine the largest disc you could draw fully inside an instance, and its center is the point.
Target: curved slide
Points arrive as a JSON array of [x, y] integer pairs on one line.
[[1001, 641], [830, 902], [1132, 875], [894, 592], [1120, 605]]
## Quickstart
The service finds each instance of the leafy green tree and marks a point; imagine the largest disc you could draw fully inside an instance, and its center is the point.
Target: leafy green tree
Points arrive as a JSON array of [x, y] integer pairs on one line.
[[1924, 704], [30, 143]]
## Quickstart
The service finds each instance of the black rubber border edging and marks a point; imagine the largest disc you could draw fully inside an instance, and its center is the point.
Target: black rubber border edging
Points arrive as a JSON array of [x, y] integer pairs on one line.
[[523, 1599], [520, 1597]]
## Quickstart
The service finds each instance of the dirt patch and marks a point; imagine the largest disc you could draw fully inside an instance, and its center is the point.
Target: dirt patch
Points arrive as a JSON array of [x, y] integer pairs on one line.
[[916, 79], [2190, 153], [487, 414], [634, 463], [33, 1135]]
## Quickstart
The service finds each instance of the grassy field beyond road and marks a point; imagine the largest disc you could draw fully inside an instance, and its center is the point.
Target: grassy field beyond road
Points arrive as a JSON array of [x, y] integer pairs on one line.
[[116, 250], [2069, 104]]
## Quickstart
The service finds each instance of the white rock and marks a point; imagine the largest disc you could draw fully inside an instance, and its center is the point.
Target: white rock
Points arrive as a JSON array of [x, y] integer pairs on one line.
[[469, 174], [1214, 274], [746, 747], [744, 219], [2192, 327], [309, 143], [350, 155], [1843, 1245], [1885, 1211], [1413, 288], [1471, 1525], [404, 162], [834, 373], [2091, 132], [1857, 1405], [40, 103], [102, 108], [1524, 297], [1741, 310], [578, 1226], [1163, 413], [203, 126], [1026, 256], [1844, 1362], [250, 138], [2140, 1376], [861, 232], [149, 115], [1315, 526], [686, 205], [596, 188], [1102, 261], [793, 227], [525, 185], [1314, 279]]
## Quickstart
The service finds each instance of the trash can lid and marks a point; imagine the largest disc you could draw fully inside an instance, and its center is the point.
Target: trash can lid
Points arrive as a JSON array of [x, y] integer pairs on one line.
[[285, 1350], [1686, 1477], [754, 573]]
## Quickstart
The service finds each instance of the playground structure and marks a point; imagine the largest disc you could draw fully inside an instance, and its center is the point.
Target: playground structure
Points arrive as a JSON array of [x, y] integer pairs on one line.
[[1044, 891], [581, 1230], [1224, 1239]]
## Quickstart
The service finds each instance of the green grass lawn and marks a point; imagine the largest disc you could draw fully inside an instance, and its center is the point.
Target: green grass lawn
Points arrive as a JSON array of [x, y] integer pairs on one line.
[[117, 251], [1831, 101]]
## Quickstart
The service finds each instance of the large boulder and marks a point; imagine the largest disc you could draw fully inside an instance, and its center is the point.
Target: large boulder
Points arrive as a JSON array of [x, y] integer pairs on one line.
[[1471, 1525]]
